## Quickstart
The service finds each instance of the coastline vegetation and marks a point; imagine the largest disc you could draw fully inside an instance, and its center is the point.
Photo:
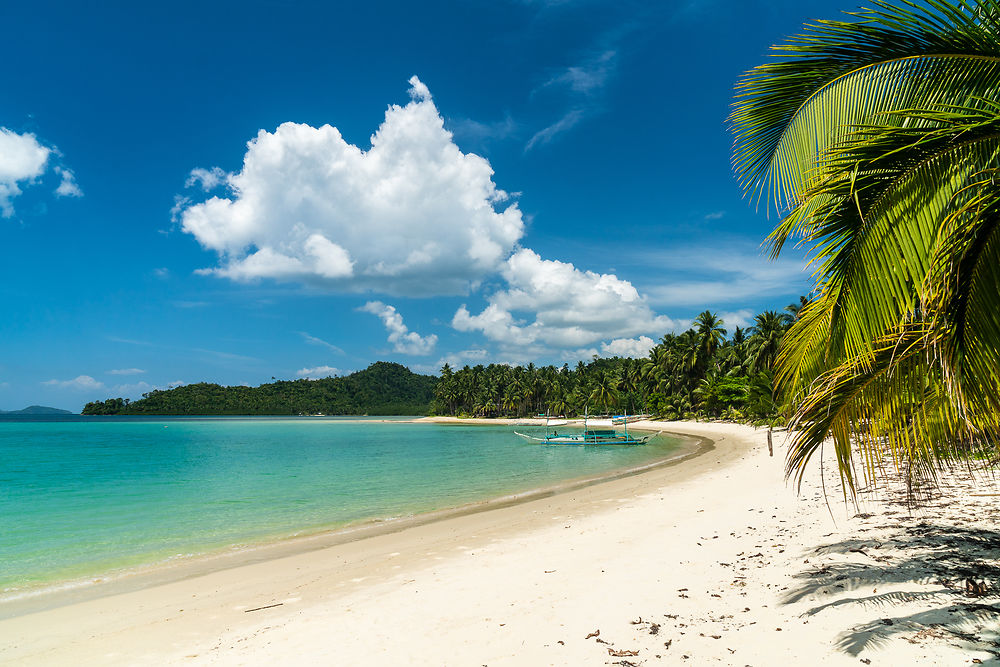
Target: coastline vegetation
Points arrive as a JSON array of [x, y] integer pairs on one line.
[[702, 373], [381, 389], [877, 139], [698, 374]]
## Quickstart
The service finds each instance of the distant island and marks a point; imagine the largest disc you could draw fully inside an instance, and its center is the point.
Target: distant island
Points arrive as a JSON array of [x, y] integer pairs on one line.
[[381, 389], [36, 410]]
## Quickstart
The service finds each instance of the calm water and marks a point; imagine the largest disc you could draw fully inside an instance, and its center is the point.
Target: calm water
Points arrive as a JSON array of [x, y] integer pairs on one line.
[[80, 498]]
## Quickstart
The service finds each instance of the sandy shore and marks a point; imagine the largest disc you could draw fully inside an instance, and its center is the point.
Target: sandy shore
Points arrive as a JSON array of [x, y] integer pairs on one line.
[[715, 560]]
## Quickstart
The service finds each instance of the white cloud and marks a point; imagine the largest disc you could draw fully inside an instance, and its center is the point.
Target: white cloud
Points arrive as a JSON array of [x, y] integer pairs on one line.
[[571, 308], [635, 348], [475, 131], [715, 215], [584, 84], [583, 354], [208, 179], [135, 390], [80, 382], [412, 215], [22, 160], [318, 372], [126, 371], [545, 135], [589, 76], [313, 340], [68, 186], [727, 271], [403, 340], [180, 204], [162, 273], [461, 358], [454, 359], [741, 318]]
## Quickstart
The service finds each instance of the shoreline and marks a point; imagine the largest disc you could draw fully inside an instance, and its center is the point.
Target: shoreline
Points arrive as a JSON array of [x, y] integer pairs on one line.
[[106, 616], [109, 583], [714, 561]]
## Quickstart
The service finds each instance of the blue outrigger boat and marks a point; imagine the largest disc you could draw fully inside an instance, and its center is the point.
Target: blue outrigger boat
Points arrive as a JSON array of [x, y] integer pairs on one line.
[[595, 432]]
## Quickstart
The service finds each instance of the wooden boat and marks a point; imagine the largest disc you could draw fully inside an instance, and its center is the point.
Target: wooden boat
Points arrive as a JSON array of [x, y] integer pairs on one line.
[[595, 432]]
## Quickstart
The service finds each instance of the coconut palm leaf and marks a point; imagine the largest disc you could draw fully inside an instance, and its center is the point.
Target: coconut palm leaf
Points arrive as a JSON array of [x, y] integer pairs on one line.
[[839, 74], [879, 141]]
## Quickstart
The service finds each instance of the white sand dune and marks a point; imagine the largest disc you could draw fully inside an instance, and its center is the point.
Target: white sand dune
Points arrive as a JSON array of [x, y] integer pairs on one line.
[[715, 560]]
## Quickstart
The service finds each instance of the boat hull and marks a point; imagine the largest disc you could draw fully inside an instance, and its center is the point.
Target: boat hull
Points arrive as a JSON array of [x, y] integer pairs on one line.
[[588, 441]]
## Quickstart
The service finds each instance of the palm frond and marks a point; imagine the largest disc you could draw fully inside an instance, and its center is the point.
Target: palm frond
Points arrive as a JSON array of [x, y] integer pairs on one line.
[[839, 74]]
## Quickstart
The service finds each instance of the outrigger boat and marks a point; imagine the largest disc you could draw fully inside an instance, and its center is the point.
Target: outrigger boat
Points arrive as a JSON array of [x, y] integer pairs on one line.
[[595, 432]]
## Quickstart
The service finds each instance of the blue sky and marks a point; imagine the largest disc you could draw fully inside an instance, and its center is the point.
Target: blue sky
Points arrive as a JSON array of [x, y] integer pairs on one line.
[[189, 191]]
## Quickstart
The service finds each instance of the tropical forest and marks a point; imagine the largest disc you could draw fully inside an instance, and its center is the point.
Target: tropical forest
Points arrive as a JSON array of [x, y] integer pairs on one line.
[[704, 372]]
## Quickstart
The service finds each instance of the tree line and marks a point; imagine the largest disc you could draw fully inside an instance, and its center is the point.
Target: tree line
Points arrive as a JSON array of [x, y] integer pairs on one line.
[[704, 372], [381, 389]]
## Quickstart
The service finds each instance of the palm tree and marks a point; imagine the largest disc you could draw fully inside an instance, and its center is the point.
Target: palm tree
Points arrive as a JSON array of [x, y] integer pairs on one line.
[[767, 331], [794, 309], [710, 332], [876, 139], [605, 392]]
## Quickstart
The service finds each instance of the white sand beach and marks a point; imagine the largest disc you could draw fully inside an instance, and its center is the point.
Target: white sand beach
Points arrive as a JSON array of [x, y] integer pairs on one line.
[[715, 560]]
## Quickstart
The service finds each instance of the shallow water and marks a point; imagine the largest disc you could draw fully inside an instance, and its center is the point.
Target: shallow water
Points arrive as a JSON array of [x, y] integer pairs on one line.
[[84, 497]]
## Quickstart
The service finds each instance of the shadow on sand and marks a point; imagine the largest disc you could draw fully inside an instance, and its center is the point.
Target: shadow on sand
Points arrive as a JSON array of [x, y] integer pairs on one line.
[[943, 581]]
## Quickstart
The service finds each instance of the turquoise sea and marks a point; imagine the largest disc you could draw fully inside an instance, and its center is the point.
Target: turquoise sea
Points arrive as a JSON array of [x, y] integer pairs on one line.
[[87, 497]]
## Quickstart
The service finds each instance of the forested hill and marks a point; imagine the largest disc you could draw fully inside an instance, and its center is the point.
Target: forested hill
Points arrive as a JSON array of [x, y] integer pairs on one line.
[[381, 389]]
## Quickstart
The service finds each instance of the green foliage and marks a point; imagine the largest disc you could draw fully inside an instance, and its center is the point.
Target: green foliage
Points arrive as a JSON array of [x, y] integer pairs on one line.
[[381, 389], [695, 373], [698, 373], [878, 139]]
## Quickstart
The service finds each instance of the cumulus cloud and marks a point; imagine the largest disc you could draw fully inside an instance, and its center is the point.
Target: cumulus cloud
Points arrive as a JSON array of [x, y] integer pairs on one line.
[[67, 183], [583, 354], [411, 215], [456, 360], [208, 179], [80, 383], [635, 348], [571, 308], [318, 372], [22, 160], [126, 371], [463, 357], [741, 318], [403, 340]]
